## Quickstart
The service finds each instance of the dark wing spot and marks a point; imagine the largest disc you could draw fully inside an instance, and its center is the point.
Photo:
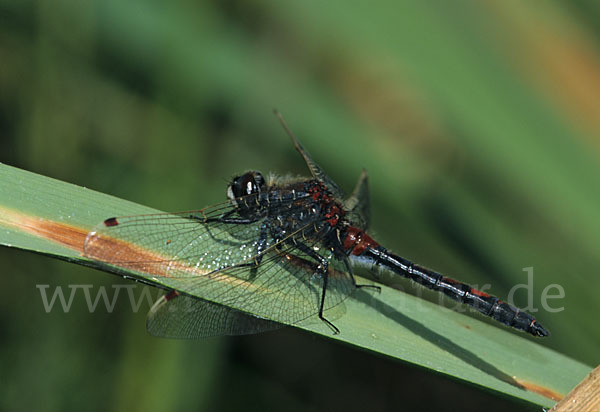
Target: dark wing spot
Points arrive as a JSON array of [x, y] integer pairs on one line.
[[111, 222]]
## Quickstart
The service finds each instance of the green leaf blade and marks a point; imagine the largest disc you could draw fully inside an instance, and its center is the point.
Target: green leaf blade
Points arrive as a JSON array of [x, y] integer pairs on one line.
[[391, 323]]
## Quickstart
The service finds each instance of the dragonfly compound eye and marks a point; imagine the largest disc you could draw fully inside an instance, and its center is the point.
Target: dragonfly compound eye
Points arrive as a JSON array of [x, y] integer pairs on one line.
[[246, 184]]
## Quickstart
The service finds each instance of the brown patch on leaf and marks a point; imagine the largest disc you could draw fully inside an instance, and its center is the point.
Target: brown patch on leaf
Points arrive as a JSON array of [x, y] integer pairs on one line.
[[540, 390], [70, 236]]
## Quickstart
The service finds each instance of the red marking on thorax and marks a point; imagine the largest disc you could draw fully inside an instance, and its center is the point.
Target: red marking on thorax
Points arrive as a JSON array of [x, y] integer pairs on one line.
[[317, 193], [333, 215], [357, 241], [333, 211]]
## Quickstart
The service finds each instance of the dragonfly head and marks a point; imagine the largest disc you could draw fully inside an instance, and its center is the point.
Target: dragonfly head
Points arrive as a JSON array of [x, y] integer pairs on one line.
[[247, 184]]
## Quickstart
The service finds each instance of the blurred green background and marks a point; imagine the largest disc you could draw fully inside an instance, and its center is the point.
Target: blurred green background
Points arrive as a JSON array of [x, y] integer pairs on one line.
[[479, 124]]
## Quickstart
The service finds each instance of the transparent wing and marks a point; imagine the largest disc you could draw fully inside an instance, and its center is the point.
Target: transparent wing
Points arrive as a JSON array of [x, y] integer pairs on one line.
[[286, 287], [314, 168], [238, 265], [185, 317], [184, 244], [358, 203]]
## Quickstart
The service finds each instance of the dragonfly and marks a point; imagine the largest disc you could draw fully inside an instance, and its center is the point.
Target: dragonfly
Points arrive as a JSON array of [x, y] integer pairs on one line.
[[277, 251]]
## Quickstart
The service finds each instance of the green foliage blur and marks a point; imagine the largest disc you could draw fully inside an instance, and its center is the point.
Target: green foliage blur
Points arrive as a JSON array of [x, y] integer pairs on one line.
[[478, 123]]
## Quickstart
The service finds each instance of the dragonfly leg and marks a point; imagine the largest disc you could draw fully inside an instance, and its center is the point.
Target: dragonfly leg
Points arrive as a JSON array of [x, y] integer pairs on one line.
[[357, 286], [224, 219], [323, 269], [260, 247]]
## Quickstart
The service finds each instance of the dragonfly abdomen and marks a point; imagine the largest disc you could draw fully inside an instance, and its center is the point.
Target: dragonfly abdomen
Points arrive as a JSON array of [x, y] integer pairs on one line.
[[487, 304]]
